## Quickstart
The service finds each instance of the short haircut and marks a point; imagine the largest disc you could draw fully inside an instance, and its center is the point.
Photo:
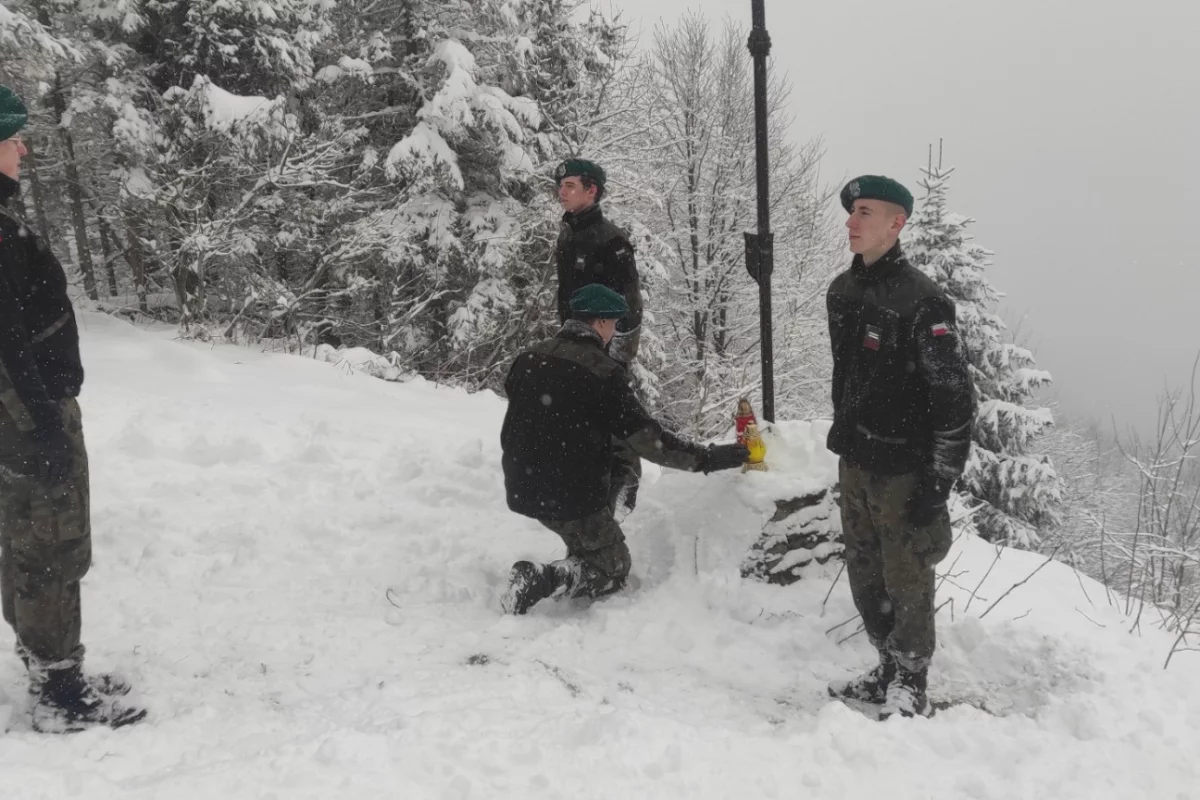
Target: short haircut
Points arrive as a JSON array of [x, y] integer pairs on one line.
[[589, 182]]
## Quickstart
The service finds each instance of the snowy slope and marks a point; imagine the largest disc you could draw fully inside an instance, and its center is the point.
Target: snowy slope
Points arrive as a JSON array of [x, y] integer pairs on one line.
[[252, 513]]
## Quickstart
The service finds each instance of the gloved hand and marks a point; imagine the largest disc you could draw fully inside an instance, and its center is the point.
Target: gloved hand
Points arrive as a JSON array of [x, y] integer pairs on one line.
[[723, 456], [55, 455], [928, 499]]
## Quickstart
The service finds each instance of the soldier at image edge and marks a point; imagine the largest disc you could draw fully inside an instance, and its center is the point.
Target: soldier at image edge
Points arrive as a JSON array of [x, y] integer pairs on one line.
[[45, 516]]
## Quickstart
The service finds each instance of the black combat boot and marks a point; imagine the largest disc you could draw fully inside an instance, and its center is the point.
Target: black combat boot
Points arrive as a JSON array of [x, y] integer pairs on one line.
[[906, 694], [106, 683], [871, 686], [68, 704], [529, 583]]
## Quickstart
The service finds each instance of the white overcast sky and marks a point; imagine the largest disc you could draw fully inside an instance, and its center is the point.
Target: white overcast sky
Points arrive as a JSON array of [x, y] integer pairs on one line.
[[1074, 127]]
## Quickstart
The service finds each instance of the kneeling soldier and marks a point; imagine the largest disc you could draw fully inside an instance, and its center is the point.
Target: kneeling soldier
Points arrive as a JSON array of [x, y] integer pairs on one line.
[[568, 401]]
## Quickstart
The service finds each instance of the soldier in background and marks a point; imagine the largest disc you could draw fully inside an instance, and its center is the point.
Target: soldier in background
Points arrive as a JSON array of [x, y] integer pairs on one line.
[[592, 250]]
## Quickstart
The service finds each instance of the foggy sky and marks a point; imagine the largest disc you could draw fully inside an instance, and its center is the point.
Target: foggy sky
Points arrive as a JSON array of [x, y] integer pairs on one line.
[[1073, 127]]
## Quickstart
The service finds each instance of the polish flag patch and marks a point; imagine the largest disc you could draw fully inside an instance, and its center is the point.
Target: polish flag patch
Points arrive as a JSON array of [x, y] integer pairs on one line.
[[872, 338], [940, 329]]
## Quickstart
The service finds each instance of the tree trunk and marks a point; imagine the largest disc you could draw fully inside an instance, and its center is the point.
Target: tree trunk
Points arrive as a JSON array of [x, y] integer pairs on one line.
[[58, 102], [109, 257], [137, 262], [382, 303], [39, 194]]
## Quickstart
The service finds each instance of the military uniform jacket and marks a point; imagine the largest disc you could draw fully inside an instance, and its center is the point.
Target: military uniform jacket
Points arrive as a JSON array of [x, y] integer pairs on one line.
[[902, 394], [591, 249], [39, 338], [567, 401]]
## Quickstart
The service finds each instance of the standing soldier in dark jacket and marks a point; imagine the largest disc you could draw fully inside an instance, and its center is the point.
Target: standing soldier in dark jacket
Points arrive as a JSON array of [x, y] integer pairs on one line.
[[568, 401], [903, 407], [593, 250], [45, 528]]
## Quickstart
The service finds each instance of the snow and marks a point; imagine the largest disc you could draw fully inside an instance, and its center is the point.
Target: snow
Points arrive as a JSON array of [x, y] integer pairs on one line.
[[253, 513], [223, 110], [359, 359], [138, 184], [424, 145], [355, 67]]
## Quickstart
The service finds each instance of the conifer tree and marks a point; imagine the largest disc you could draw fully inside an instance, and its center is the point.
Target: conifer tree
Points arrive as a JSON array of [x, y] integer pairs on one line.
[[1017, 491]]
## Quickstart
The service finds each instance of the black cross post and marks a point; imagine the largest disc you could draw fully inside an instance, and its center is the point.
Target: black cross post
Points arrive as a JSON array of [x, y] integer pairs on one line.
[[760, 247]]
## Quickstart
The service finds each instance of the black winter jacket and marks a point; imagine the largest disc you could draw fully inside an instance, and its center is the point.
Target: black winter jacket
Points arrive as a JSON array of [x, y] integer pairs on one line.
[[567, 402], [902, 394], [591, 249], [39, 338]]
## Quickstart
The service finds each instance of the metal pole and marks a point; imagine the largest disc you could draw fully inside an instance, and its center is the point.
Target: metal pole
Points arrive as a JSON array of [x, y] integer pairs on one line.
[[760, 252]]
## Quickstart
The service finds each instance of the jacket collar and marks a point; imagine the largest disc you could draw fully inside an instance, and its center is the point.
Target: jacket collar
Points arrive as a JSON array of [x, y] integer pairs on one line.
[[583, 219], [891, 261], [581, 332], [8, 189]]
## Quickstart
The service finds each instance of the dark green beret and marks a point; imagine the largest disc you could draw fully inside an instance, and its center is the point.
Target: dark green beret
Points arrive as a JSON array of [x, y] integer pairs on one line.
[[13, 114], [580, 168], [877, 187], [598, 301]]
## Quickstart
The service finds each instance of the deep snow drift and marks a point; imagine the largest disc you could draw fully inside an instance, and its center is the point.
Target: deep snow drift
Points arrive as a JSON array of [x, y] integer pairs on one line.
[[253, 514]]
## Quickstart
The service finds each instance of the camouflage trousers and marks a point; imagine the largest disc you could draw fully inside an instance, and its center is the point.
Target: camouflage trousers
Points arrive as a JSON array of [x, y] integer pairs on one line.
[[596, 551], [45, 544], [625, 470], [890, 562]]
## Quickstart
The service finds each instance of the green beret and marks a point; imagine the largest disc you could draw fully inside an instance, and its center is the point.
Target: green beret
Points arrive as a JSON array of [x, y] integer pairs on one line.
[[13, 114], [877, 187], [599, 302], [580, 168]]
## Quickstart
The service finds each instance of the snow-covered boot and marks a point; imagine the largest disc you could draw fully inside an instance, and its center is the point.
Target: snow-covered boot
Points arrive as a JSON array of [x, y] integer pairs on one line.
[[906, 695], [107, 683], [871, 686], [68, 704], [529, 583]]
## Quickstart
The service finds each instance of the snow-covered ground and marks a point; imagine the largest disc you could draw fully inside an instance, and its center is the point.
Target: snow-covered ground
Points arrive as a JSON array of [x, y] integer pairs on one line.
[[253, 514]]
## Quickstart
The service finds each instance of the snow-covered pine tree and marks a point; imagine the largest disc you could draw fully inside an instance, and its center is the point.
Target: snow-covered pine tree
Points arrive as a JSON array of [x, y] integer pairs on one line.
[[228, 136], [1017, 491], [30, 55], [463, 105], [58, 69]]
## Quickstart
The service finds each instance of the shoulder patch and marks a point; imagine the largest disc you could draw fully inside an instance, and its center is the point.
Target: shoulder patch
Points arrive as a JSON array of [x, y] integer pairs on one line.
[[939, 329]]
